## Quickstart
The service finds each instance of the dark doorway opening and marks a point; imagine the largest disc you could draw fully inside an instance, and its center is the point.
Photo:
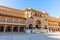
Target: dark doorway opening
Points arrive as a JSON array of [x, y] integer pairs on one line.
[[38, 27], [8, 29], [38, 24], [15, 29], [21, 29], [46, 27], [30, 26], [1, 28]]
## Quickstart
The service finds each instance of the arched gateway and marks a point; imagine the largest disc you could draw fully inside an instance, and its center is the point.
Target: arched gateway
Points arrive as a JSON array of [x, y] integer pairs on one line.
[[38, 24], [11, 28], [30, 26]]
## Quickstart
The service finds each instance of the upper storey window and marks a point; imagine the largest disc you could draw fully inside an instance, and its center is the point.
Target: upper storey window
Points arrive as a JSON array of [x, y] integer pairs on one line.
[[40, 15], [43, 16], [59, 24], [16, 20], [22, 21], [2, 19], [36, 14], [9, 20], [28, 13]]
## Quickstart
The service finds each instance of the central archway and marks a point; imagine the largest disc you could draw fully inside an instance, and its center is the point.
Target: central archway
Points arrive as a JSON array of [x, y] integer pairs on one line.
[[38, 24], [30, 26]]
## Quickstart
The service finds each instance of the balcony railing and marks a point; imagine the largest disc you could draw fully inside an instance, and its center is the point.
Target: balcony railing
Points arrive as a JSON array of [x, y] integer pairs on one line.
[[11, 21]]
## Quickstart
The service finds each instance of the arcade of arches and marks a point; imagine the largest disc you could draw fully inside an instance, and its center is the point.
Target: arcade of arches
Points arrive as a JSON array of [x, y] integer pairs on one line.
[[54, 29], [12, 28], [38, 25]]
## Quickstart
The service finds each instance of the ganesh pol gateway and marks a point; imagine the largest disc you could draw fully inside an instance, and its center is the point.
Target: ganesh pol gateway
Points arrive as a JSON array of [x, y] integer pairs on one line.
[[28, 20]]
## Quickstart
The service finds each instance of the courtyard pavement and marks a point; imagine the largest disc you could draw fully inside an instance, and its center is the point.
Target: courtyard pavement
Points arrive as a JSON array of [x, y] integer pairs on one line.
[[23, 36]]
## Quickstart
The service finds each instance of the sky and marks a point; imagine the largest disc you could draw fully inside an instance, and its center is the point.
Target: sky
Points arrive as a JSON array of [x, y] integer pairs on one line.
[[52, 7]]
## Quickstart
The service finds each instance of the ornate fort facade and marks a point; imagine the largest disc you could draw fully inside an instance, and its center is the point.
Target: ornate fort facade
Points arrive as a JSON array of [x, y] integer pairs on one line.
[[14, 20]]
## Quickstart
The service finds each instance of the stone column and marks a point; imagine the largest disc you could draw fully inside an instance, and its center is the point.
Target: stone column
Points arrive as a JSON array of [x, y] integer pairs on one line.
[[12, 28], [5, 28], [24, 28], [18, 28], [27, 26], [5, 25]]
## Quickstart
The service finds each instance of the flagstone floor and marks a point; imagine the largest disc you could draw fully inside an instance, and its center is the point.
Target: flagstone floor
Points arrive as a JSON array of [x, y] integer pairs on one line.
[[23, 36]]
